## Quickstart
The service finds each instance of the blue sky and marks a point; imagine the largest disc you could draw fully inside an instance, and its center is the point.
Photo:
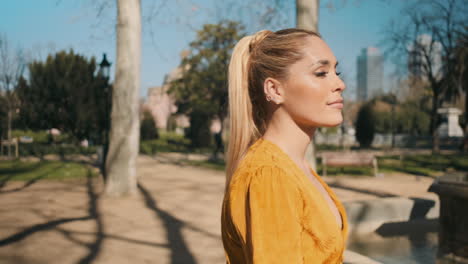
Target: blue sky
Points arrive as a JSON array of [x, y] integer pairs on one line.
[[44, 26]]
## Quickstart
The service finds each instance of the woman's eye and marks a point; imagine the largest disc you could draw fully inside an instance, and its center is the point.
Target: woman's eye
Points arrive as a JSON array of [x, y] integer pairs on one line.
[[338, 73], [321, 74]]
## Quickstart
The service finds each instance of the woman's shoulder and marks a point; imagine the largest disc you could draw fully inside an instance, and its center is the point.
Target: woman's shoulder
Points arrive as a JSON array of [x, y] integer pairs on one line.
[[261, 163], [264, 153]]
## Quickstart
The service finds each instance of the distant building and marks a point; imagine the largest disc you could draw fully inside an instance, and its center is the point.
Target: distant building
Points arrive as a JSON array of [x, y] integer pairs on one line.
[[369, 73], [161, 105], [424, 55]]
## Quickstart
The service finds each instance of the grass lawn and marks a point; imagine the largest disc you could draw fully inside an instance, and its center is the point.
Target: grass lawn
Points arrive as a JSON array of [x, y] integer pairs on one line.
[[54, 170], [209, 164], [424, 165]]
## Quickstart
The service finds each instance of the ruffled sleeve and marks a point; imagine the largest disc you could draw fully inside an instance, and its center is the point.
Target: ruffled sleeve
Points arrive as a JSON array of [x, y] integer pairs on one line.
[[274, 210]]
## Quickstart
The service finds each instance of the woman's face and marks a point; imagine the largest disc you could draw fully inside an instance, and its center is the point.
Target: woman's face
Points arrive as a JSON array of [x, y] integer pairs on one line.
[[312, 90]]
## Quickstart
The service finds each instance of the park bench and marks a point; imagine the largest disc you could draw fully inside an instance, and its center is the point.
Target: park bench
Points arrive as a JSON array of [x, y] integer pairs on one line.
[[5, 146], [338, 159]]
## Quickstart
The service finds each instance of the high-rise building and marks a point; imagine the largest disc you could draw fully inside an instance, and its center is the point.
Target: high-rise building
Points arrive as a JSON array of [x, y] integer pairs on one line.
[[423, 56], [369, 73]]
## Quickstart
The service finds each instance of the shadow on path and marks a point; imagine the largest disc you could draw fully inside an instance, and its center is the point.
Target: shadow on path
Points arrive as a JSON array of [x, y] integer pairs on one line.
[[93, 214], [180, 253], [38, 228], [93, 211]]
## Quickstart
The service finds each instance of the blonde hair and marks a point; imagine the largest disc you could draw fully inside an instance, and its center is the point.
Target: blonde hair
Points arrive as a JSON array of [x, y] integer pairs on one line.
[[256, 57]]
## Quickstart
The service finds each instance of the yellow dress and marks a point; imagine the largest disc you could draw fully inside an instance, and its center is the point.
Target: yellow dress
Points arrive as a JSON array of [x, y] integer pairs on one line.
[[272, 213]]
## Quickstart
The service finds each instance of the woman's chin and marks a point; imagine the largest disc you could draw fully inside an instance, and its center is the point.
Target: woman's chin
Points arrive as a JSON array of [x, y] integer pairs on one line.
[[333, 122]]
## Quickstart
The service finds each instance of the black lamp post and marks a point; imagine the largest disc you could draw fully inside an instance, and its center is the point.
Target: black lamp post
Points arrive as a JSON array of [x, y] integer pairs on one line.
[[104, 67], [104, 71]]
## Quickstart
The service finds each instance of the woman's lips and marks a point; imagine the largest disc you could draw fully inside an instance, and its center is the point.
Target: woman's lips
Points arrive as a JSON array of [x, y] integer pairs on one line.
[[336, 105]]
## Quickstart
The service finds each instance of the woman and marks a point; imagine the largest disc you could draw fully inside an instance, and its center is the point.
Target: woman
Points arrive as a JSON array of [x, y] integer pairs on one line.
[[276, 209]]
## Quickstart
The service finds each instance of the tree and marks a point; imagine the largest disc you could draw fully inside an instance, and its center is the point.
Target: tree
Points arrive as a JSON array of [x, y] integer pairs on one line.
[[408, 117], [125, 121], [148, 129], [11, 69], [307, 14], [461, 80], [64, 92], [201, 91], [365, 126], [426, 35], [3, 114]]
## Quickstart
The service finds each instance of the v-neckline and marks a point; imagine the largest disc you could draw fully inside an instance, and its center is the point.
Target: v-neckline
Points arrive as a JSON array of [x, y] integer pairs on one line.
[[296, 166], [332, 197]]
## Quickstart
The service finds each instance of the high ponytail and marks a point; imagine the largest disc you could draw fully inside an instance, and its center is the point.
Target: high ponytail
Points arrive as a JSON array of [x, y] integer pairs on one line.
[[242, 129], [254, 58]]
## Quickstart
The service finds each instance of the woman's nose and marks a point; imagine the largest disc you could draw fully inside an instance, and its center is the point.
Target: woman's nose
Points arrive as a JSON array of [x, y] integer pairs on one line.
[[339, 84]]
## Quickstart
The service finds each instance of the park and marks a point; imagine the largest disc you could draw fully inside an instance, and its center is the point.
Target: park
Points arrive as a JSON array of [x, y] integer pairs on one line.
[[100, 165]]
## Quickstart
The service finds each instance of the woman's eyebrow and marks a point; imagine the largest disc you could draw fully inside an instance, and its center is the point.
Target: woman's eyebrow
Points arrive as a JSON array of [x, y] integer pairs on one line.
[[323, 63]]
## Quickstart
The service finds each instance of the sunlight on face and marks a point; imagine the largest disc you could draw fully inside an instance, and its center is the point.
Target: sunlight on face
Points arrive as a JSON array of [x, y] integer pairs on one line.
[[313, 87]]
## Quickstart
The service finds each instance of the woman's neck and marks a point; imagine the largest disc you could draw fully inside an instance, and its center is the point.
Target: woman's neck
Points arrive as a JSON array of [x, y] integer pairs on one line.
[[289, 136]]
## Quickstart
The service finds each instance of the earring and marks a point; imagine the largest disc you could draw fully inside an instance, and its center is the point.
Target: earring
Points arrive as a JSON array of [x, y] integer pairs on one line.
[[268, 98]]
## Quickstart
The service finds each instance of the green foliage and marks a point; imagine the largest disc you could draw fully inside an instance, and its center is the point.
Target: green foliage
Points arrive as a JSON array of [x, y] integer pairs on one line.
[[148, 129], [201, 91], [34, 171], [383, 122], [424, 164], [42, 149], [203, 84], [409, 117], [365, 125], [3, 117], [412, 120], [218, 164], [329, 130], [37, 136], [167, 142], [41, 136], [416, 164], [199, 130], [65, 92], [323, 147]]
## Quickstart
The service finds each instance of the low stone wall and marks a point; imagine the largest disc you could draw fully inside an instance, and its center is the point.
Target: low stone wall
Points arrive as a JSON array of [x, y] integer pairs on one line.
[[367, 216]]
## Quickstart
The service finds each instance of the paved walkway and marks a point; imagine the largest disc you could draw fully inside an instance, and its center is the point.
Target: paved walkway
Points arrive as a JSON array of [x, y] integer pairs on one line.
[[174, 218]]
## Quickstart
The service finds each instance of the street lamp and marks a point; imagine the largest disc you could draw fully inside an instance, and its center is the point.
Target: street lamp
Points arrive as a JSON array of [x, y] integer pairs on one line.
[[104, 66], [104, 71]]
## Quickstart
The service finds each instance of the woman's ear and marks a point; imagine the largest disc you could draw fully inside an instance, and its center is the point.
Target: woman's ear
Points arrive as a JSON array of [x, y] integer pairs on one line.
[[273, 90]]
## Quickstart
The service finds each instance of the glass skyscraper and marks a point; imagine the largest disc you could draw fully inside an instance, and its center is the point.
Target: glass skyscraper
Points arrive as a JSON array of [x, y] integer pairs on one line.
[[423, 56], [369, 73]]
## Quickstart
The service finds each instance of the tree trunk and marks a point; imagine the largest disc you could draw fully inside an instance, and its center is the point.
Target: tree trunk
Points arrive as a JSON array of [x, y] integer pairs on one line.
[[307, 13], [125, 120], [9, 129], [392, 125], [434, 119], [465, 140]]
